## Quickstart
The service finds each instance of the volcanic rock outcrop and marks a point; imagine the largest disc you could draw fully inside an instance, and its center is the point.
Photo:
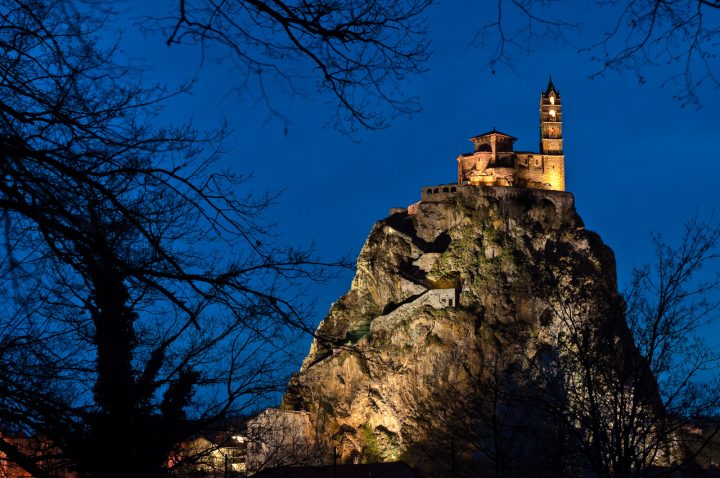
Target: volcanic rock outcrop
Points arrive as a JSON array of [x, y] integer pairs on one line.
[[435, 353]]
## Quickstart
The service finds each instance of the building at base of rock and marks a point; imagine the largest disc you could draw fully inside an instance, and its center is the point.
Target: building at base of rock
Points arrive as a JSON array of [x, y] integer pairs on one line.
[[280, 438]]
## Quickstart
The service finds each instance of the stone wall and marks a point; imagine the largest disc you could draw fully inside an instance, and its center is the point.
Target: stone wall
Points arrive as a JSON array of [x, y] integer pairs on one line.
[[531, 170], [441, 189], [563, 201], [441, 298], [435, 298]]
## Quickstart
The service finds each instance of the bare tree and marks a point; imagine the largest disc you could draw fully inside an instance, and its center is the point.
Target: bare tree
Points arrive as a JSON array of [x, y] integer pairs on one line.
[[678, 37], [142, 298], [633, 392], [357, 52], [671, 305], [679, 34], [517, 27], [492, 423], [621, 386]]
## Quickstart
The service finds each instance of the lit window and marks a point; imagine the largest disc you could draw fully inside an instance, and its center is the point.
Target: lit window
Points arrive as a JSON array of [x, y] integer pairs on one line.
[[552, 99], [552, 113]]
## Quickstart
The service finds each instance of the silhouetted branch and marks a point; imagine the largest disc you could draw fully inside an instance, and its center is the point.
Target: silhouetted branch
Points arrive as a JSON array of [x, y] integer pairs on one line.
[[357, 52], [663, 33], [518, 27]]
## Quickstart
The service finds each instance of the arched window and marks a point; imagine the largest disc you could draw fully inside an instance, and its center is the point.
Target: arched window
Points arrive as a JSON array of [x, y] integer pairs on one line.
[[446, 190], [453, 189], [429, 191]]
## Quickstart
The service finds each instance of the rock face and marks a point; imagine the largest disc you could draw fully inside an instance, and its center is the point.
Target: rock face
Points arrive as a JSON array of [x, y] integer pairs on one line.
[[450, 309]]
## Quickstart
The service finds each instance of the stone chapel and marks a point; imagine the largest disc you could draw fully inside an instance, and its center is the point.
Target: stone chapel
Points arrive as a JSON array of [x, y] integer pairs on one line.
[[495, 162]]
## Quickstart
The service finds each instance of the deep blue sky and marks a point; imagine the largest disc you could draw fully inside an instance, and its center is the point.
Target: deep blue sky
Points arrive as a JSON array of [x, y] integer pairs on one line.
[[635, 160]]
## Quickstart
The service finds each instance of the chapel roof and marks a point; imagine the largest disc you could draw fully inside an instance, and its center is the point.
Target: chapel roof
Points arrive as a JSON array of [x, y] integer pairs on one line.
[[493, 132]]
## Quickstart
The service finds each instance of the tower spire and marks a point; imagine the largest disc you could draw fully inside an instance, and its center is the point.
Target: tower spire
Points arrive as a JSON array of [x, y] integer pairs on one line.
[[551, 88]]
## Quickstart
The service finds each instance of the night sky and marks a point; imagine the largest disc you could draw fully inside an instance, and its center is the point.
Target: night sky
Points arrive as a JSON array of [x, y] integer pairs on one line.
[[635, 159]]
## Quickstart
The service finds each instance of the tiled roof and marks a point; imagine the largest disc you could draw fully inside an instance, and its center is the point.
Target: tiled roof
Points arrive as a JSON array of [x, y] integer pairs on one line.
[[494, 131]]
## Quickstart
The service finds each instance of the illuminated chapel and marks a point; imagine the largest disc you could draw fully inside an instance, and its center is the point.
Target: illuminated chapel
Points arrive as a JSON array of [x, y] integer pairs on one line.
[[495, 162]]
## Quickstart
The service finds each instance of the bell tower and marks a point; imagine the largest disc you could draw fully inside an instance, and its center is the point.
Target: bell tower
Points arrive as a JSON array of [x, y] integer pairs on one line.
[[551, 121], [551, 139]]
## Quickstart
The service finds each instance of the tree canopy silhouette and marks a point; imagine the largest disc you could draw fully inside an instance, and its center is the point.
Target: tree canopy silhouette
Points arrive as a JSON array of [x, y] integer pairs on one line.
[[142, 296]]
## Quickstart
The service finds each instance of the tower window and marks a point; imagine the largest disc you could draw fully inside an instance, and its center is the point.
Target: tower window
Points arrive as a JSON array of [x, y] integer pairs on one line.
[[552, 113], [552, 99]]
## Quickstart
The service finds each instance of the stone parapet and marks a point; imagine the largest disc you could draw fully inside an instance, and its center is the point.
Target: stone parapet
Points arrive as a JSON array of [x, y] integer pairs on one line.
[[440, 191], [563, 201]]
